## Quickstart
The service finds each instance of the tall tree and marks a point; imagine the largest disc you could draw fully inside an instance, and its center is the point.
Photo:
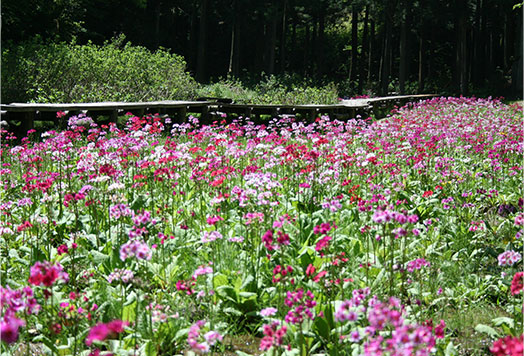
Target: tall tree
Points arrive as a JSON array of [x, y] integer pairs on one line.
[[354, 43], [202, 39], [403, 48], [362, 63]]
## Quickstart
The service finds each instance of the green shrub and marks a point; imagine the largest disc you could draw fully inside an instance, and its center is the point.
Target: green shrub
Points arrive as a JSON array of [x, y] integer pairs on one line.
[[228, 88], [286, 90], [59, 72]]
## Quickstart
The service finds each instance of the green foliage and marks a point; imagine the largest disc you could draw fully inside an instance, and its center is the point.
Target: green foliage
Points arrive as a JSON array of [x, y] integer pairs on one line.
[[285, 89], [59, 72]]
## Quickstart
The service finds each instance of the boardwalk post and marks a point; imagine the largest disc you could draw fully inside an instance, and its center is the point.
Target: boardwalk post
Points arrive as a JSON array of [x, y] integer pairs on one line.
[[181, 114], [248, 112], [28, 122]]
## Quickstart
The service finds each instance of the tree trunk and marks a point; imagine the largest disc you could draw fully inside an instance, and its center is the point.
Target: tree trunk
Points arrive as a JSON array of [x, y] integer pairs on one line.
[[403, 53], [156, 36], [272, 42], [354, 44], [238, 42], [477, 45], [362, 66], [461, 50], [283, 39], [386, 56], [370, 52], [320, 43], [306, 50], [231, 48], [202, 38], [193, 38], [420, 64]]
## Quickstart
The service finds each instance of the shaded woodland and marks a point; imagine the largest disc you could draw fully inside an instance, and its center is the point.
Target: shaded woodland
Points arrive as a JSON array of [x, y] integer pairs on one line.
[[468, 47]]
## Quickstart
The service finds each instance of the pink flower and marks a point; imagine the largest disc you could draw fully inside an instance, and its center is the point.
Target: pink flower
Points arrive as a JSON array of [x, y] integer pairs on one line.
[[45, 273], [98, 332], [516, 283], [508, 346], [101, 331], [268, 312], [509, 258], [322, 243], [9, 329]]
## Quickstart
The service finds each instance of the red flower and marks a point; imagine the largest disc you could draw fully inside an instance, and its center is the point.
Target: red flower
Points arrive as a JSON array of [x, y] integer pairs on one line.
[[516, 283], [427, 193]]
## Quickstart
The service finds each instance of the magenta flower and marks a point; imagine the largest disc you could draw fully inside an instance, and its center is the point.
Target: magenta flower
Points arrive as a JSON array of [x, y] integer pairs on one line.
[[45, 273], [101, 331], [9, 329]]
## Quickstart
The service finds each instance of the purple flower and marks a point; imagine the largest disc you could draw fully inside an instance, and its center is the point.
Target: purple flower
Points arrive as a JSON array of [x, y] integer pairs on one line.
[[268, 311]]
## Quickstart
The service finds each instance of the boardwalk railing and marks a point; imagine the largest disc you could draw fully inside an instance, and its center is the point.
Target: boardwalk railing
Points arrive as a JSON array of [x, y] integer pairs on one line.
[[27, 113]]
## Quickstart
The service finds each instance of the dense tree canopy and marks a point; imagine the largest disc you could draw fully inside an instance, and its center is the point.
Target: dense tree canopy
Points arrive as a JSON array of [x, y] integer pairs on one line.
[[465, 46]]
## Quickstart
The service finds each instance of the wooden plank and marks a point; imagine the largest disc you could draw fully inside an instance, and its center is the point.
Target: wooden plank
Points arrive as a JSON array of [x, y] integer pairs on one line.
[[25, 107], [350, 107]]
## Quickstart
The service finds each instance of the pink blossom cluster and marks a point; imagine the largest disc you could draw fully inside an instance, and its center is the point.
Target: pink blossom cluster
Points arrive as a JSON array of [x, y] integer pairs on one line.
[[508, 346], [301, 306], [193, 336], [135, 248], [508, 258], [46, 273], [102, 331], [403, 338], [274, 334], [119, 210], [210, 236], [11, 303], [123, 275], [416, 264], [267, 240], [202, 270]]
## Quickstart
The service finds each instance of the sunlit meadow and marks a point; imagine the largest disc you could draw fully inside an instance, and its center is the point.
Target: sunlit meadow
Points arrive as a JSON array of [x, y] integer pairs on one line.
[[335, 237]]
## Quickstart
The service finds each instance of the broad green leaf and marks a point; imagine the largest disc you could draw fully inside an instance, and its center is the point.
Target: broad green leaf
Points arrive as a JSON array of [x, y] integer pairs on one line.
[[485, 329]]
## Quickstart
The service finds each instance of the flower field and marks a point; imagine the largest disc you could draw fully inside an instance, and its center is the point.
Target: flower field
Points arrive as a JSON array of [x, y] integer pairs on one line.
[[339, 238]]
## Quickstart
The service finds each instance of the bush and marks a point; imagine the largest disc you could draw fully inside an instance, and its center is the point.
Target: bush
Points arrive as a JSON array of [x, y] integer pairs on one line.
[[285, 90], [60, 72]]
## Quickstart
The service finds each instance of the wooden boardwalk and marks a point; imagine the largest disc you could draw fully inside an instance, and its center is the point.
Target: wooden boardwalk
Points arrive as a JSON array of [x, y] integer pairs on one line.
[[27, 113]]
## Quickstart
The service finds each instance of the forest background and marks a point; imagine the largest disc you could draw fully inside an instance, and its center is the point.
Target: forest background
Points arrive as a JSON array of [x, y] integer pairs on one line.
[[245, 48]]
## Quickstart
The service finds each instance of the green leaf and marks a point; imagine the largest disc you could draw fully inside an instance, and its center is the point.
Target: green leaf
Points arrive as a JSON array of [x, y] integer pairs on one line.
[[129, 312], [485, 329], [503, 320], [321, 327], [451, 350], [220, 280]]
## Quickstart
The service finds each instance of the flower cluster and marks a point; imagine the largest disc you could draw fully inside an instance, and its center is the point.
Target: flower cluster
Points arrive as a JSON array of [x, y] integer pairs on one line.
[[349, 309], [102, 331], [46, 273], [274, 334], [416, 264], [123, 275], [135, 248], [508, 346], [11, 303], [301, 306], [517, 283], [509, 258], [211, 338], [403, 338]]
